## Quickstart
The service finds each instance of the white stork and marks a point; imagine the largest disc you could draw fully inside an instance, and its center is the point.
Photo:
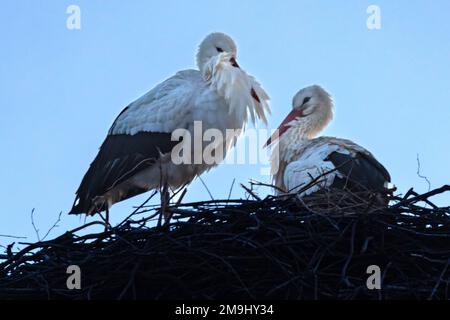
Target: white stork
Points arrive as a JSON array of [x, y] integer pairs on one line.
[[300, 159], [136, 155]]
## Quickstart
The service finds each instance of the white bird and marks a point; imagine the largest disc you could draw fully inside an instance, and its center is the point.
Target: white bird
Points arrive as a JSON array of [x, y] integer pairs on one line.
[[301, 161], [137, 153]]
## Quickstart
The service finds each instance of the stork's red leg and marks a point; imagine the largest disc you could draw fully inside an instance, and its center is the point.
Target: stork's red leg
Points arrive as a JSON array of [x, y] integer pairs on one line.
[[107, 218], [165, 199]]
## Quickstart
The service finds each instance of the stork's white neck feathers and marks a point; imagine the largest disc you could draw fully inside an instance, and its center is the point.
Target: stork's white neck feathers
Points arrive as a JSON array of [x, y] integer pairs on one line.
[[216, 60], [236, 87], [306, 128]]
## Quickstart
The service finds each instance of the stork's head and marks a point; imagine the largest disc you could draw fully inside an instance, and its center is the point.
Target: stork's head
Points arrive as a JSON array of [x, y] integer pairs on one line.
[[312, 110], [213, 45]]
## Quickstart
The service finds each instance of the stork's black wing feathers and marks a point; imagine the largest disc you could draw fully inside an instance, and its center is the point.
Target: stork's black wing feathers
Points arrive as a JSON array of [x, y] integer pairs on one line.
[[120, 157], [361, 172]]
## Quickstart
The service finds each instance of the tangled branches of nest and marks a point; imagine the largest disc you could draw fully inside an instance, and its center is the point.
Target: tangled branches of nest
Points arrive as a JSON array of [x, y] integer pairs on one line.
[[274, 248]]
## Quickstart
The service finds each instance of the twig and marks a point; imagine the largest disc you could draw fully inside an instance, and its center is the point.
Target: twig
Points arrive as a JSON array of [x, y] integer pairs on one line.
[[423, 197], [14, 237], [54, 226], [420, 175], [206, 187], [441, 276], [138, 208], [34, 226], [231, 189], [250, 192]]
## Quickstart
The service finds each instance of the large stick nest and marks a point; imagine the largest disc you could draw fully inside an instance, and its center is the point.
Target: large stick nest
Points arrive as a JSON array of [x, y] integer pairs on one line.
[[274, 248]]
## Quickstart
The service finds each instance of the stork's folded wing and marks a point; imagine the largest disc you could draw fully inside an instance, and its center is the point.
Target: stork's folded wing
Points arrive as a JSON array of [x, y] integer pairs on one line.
[[137, 138]]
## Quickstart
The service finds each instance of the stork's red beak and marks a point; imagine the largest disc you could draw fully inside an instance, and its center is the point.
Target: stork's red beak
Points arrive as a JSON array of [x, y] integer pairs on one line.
[[252, 92], [254, 95], [295, 113], [234, 63]]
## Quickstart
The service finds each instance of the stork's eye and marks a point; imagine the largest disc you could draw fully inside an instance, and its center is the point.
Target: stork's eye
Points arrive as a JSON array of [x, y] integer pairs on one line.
[[219, 49], [306, 100]]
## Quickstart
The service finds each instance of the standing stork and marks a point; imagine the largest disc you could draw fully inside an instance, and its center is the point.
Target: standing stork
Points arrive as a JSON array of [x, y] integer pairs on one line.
[[137, 153], [300, 160]]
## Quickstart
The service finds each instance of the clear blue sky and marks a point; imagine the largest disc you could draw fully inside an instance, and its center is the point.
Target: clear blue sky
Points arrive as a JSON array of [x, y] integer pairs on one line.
[[61, 89]]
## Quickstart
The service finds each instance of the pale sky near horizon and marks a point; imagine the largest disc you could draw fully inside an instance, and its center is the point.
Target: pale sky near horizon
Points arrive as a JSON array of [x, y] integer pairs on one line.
[[61, 89]]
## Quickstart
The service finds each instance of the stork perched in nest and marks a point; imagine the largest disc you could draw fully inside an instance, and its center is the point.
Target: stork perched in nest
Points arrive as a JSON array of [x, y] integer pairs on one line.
[[305, 164], [137, 153]]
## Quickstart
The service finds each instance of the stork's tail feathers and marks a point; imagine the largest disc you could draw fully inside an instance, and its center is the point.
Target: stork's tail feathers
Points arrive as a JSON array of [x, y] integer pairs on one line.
[[87, 207]]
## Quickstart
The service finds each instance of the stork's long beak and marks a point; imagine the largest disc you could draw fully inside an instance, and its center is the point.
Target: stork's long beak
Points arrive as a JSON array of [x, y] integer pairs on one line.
[[252, 91], [234, 63], [295, 113]]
